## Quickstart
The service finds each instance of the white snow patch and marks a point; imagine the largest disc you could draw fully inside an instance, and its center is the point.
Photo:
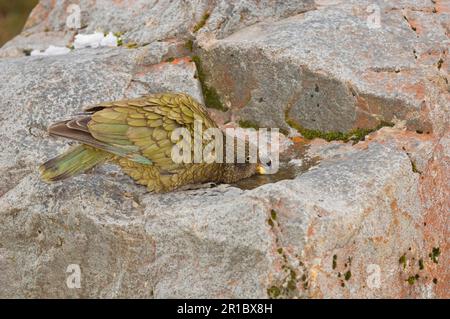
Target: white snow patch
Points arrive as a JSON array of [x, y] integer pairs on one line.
[[51, 50], [110, 40], [95, 40]]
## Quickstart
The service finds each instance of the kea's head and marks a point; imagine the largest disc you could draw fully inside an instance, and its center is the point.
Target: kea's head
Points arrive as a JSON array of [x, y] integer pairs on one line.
[[246, 164]]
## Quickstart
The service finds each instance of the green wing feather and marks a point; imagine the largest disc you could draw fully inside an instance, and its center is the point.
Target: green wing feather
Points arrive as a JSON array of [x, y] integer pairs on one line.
[[76, 160], [146, 124], [138, 130]]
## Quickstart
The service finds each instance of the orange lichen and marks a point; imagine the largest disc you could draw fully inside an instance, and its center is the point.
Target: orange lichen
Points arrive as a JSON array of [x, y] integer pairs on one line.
[[298, 139]]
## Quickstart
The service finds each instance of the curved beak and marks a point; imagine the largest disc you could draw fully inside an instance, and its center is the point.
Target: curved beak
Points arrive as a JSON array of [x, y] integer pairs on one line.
[[260, 169]]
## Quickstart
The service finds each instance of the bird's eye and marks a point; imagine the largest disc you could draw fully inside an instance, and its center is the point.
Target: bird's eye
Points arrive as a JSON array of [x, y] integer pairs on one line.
[[269, 163], [247, 159]]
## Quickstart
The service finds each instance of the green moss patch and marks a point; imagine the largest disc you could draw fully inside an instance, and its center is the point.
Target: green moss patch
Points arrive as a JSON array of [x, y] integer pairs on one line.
[[402, 261], [201, 23], [435, 253], [212, 98], [131, 45], [421, 265], [189, 45], [273, 292], [273, 214], [348, 275], [414, 167], [248, 124], [354, 135], [412, 279]]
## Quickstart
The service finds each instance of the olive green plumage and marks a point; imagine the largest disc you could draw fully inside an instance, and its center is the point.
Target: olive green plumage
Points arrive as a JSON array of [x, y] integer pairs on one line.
[[136, 134]]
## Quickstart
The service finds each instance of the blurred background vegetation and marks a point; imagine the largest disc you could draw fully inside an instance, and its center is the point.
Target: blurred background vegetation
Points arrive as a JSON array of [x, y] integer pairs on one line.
[[13, 14]]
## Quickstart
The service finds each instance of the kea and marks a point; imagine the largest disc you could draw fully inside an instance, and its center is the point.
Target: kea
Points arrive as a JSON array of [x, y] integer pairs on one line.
[[136, 134]]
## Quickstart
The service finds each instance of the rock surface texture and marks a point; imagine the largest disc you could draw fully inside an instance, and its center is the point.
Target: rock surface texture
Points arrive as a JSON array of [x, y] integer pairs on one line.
[[367, 219]]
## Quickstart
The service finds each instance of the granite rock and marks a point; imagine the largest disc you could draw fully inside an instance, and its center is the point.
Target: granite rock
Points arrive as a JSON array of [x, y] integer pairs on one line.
[[340, 220]]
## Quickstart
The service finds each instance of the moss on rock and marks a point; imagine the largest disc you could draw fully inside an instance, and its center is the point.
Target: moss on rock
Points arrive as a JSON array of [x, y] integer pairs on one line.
[[355, 135], [201, 23], [248, 124], [212, 98]]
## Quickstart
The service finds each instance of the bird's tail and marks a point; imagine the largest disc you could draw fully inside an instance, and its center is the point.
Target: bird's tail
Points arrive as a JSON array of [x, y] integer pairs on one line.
[[75, 161]]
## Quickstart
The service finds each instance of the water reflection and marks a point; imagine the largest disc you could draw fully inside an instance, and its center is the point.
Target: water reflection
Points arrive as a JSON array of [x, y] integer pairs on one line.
[[293, 162]]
